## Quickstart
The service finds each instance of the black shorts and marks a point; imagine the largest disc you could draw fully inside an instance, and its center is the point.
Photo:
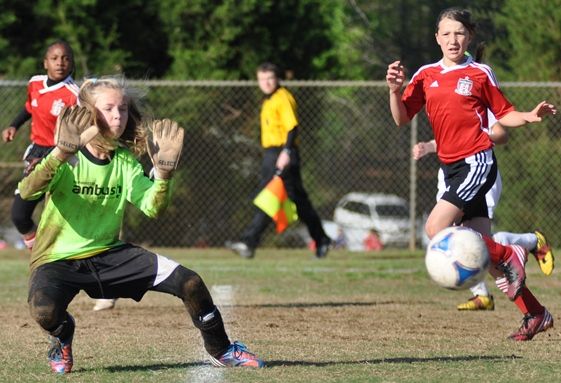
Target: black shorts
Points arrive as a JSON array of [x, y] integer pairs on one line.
[[467, 181], [33, 155], [123, 272]]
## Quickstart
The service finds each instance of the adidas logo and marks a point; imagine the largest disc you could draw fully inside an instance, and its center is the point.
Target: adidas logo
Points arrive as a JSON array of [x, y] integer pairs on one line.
[[434, 84], [34, 102]]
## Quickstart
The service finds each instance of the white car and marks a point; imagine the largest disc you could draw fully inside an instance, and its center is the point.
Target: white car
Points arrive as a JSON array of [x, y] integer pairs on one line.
[[387, 214]]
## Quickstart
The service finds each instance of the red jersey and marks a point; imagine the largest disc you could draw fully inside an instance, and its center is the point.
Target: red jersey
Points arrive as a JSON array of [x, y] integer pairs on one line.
[[457, 99], [45, 103]]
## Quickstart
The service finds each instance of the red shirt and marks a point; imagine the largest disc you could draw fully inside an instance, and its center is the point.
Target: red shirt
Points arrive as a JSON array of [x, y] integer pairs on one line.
[[45, 104], [457, 99], [372, 243]]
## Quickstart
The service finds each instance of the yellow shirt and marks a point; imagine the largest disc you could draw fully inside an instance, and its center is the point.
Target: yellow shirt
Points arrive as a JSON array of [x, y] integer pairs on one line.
[[278, 117]]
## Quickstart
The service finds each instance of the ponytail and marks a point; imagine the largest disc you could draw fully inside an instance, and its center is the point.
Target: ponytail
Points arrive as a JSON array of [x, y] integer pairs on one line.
[[479, 51]]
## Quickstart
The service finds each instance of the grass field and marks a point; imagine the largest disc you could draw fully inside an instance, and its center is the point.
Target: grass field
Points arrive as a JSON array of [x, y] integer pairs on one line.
[[353, 317]]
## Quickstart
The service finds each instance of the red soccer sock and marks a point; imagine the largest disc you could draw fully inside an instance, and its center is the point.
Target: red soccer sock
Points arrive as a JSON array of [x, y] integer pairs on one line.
[[527, 303], [497, 252]]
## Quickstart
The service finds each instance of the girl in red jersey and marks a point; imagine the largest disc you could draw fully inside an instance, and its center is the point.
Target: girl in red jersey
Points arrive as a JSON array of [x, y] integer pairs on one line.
[[456, 93], [47, 95]]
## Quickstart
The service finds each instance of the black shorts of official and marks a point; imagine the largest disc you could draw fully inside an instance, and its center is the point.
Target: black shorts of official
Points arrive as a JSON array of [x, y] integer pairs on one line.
[[468, 180], [124, 272]]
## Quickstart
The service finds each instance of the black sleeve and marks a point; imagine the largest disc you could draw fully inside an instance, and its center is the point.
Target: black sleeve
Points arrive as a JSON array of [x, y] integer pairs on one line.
[[291, 138], [21, 118]]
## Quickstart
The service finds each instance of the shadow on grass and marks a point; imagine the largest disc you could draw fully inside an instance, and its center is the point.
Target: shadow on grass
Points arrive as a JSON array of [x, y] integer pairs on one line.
[[403, 360], [146, 367], [321, 304], [304, 363]]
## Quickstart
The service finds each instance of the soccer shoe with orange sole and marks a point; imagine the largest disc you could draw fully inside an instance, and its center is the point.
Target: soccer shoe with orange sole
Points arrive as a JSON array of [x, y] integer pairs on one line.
[[60, 353], [531, 325], [237, 355], [478, 302], [544, 253]]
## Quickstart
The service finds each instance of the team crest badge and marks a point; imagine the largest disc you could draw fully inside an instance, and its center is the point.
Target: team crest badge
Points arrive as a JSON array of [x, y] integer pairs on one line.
[[464, 86], [57, 107]]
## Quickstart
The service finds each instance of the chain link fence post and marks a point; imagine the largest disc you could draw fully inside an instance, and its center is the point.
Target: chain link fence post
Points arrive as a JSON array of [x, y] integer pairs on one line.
[[413, 229]]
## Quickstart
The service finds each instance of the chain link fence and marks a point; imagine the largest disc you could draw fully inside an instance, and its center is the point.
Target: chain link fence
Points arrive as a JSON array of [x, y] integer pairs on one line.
[[356, 164]]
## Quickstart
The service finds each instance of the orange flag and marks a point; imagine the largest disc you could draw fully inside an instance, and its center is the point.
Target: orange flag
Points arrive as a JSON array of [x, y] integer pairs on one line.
[[274, 201]]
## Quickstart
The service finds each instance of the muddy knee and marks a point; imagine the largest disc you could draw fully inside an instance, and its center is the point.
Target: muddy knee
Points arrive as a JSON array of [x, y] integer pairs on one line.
[[45, 311], [189, 286]]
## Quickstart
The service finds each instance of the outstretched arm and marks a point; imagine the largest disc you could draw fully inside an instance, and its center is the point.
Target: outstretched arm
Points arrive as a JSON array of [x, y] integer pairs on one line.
[[516, 119], [150, 196], [73, 131], [164, 144]]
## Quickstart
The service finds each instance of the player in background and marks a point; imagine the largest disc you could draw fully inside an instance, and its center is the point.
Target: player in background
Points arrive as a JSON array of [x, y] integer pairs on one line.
[[457, 92], [92, 174], [279, 139], [535, 243], [47, 95]]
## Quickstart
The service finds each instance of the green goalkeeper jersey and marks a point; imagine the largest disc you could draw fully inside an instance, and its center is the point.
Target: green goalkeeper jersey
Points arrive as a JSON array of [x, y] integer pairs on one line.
[[86, 202]]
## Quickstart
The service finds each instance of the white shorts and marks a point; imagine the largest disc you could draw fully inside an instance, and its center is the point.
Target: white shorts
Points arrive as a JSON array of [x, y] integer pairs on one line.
[[492, 197]]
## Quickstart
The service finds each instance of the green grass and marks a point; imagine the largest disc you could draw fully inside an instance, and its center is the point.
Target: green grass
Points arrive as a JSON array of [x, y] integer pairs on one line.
[[353, 317]]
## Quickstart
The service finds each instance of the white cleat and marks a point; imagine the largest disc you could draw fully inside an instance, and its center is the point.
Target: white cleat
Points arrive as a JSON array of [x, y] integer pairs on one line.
[[104, 304]]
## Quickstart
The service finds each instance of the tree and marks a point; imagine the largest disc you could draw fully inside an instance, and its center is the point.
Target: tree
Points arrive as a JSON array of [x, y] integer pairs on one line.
[[228, 39], [404, 30], [532, 41]]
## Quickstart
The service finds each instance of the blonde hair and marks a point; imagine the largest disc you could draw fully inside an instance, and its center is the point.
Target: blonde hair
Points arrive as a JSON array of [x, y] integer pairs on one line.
[[134, 135]]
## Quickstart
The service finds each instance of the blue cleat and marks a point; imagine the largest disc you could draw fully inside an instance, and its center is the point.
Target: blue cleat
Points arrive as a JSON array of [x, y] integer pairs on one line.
[[60, 353], [237, 355]]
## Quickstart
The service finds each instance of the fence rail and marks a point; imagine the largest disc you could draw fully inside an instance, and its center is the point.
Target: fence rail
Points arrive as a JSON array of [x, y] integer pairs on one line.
[[349, 143]]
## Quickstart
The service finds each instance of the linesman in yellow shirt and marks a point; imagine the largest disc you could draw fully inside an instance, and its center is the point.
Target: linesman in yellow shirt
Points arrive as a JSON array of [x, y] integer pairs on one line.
[[279, 139]]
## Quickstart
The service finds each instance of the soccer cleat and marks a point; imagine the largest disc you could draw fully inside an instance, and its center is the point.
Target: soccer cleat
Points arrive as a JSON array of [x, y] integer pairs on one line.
[[323, 247], [241, 249], [237, 355], [104, 304], [60, 353], [478, 302], [513, 269], [544, 253], [531, 325]]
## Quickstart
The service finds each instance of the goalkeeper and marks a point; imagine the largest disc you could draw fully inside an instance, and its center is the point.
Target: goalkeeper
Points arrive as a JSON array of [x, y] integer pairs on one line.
[[89, 177]]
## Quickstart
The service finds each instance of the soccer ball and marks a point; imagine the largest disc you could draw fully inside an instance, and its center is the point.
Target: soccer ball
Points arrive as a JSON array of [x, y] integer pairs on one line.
[[457, 258]]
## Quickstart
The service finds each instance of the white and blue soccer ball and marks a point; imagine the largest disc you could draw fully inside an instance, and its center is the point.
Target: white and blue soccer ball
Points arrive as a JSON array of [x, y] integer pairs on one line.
[[457, 258]]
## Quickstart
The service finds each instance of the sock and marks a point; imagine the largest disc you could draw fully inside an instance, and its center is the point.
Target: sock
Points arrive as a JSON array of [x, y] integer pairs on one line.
[[529, 241], [502, 284], [480, 289], [497, 252], [527, 303], [213, 332], [64, 331]]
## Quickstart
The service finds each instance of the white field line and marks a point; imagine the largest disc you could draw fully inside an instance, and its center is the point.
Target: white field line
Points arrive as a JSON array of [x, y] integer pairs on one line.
[[223, 296]]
